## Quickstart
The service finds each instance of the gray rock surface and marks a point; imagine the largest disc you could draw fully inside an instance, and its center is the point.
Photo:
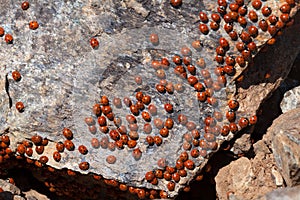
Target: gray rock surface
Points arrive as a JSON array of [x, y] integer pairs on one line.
[[288, 193], [291, 100], [63, 77]]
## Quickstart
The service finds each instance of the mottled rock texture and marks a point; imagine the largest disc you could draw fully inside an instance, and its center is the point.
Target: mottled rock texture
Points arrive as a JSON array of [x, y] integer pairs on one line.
[[291, 100], [285, 141], [63, 77]]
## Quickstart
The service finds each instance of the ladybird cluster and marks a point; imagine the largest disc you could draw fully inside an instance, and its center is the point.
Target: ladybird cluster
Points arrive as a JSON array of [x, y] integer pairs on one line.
[[150, 124], [5, 150]]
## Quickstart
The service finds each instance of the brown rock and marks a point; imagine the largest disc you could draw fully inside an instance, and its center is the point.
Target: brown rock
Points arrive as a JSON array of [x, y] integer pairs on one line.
[[285, 143]]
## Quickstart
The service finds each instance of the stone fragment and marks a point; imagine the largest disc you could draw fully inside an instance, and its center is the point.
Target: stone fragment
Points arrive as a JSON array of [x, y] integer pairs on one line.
[[288, 193], [291, 100], [285, 143]]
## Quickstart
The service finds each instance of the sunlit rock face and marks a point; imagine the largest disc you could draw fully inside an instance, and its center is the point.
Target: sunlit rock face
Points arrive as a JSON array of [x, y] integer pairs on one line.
[[129, 90]]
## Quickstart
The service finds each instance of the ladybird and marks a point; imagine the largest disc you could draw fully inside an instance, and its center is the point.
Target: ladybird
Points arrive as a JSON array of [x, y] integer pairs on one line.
[[228, 27], [157, 140], [176, 177], [233, 127], [94, 43], [272, 29], [230, 115], [21, 149], [158, 123], [233, 15], [39, 149], [149, 176], [189, 164], [60, 147], [243, 122], [256, 4], [114, 135], [284, 17], [233, 35], [240, 61], [214, 26], [164, 132], [102, 121], [25, 5], [36, 139], [150, 140], [253, 120], [201, 96], [8, 38], [138, 80], [16, 75], [43, 159], [285, 8], [176, 3], [273, 19], [227, 18], [82, 149], [146, 99], [158, 173], [20, 107], [111, 159], [224, 43], [199, 87], [147, 128], [33, 25], [171, 186], [225, 130], [222, 3], [192, 80], [243, 10], [168, 107], [146, 116], [154, 39], [67, 133], [266, 11], [160, 88], [195, 153], [165, 63], [137, 154], [252, 47], [216, 17], [1, 31], [203, 17], [69, 145], [185, 51], [131, 143], [220, 51], [209, 121], [253, 31], [246, 54], [203, 29], [242, 21], [263, 25], [84, 166], [245, 37], [95, 143]]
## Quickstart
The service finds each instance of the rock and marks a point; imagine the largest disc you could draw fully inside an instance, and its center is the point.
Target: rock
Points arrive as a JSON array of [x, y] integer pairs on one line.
[[34, 195], [10, 191], [63, 77], [248, 178], [242, 144], [291, 100], [285, 143], [288, 193]]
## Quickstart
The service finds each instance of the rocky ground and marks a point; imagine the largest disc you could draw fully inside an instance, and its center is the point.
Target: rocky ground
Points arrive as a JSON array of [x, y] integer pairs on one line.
[[224, 104]]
